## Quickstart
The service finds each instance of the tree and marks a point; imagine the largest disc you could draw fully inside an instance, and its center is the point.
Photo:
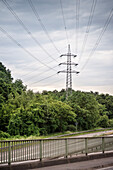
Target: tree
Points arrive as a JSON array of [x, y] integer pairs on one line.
[[18, 86], [5, 74], [86, 107], [60, 115], [103, 121]]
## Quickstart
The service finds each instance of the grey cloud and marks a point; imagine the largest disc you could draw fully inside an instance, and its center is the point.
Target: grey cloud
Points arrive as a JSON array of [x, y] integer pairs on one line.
[[98, 72]]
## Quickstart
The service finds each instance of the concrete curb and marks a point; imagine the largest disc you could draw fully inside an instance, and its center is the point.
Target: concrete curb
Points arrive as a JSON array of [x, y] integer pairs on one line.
[[37, 164]]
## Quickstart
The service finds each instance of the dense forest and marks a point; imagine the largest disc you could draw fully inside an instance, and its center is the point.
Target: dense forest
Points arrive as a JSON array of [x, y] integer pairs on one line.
[[25, 113]]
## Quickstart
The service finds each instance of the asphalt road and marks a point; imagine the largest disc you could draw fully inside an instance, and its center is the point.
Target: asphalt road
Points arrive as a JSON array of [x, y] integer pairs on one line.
[[95, 134], [92, 164]]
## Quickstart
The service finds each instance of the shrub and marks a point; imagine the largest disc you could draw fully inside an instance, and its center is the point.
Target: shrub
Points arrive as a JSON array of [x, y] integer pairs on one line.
[[4, 134], [111, 123], [71, 128], [43, 131]]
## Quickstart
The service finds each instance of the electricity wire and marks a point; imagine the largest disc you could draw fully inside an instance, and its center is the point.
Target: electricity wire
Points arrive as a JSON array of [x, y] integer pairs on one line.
[[39, 67], [26, 29], [88, 28], [43, 79], [77, 24], [64, 21], [18, 44], [52, 82], [39, 73], [41, 23], [99, 38]]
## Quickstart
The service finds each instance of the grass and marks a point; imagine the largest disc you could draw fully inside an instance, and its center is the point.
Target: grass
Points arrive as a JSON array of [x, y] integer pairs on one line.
[[67, 134], [35, 137]]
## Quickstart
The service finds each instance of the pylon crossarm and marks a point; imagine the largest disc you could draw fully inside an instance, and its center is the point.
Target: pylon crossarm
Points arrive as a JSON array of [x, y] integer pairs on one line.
[[68, 64], [63, 55], [63, 64], [73, 55], [64, 71], [61, 71]]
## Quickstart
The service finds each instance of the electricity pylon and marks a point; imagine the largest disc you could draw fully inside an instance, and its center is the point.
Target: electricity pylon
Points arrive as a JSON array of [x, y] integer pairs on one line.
[[69, 71]]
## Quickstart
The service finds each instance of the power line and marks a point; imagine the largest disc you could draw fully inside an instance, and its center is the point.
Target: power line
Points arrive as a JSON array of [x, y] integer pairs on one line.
[[39, 68], [99, 38], [64, 21], [42, 25], [77, 24], [43, 79], [26, 29], [40, 73], [88, 27], [27, 74], [52, 82], [16, 42]]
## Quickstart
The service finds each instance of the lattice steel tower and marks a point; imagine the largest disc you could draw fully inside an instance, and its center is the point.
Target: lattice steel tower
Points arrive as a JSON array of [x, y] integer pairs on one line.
[[69, 71]]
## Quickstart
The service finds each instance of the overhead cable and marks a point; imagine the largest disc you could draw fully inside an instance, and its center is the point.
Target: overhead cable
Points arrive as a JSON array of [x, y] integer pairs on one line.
[[53, 82], [26, 29], [17, 43], [39, 73], [77, 24], [88, 27], [64, 22], [41, 23], [99, 38], [43, 79], [39, 68]]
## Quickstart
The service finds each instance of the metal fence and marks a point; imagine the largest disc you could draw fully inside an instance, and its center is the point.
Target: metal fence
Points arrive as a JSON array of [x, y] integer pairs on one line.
[[23, 150]]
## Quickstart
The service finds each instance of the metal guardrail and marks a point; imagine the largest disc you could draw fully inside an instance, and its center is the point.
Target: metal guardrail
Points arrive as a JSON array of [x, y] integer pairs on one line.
[[23, 150]]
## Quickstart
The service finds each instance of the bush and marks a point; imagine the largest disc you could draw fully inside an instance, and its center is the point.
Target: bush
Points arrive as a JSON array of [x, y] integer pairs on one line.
[[71, 128], [17, 136], [43, 131], [111, 123], [4, 135], [104, 121]]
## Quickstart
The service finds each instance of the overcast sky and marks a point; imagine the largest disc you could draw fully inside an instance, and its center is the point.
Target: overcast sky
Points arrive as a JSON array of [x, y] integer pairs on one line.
[[34, 33]]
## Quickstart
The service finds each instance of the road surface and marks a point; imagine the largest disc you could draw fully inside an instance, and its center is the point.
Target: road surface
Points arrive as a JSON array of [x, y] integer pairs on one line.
[[95, 134], [92, 164]]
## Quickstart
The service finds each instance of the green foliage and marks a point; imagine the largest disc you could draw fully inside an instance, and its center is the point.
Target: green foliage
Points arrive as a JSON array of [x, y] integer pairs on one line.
[[61, 116], [107, 102], [41, 119], [86, 107], [4, 134], [71, 128], [24, 113], [19, 87], [110, 122], [5, 74], [103, 121]]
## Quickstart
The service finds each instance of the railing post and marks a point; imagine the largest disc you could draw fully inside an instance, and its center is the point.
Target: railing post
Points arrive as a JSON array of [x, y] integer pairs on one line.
[[9, 153], [66, 148], [86, 146], [103, 149], [40, 150], [1, 152]]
